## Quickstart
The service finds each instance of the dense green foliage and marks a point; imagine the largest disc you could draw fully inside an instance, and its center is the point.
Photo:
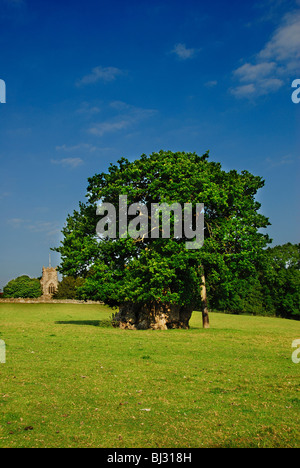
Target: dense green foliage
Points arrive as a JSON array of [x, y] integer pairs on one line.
[[67, 288], [23, 287], [273, 290], [282, 285], [163, 270]]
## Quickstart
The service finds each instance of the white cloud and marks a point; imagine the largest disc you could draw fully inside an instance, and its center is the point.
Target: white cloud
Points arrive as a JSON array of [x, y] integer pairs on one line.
[[270, 85], [284, 45], [49, 228], [183, 53], [80, 147], [259, 88], [107, 127], [88, 109], [127, 117], [43, 226], [211, 84], [275, 62], [15, 222], [243, 91], [249, 72], [119, 105], [283, 161], [100, 74], [4, 195], [68, 162]]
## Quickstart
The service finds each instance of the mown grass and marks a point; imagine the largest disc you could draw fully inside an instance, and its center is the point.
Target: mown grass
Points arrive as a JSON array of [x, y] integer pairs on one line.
[[71, 380]]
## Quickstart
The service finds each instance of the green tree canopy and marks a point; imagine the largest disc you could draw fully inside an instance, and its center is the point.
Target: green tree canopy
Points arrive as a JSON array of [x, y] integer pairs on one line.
[[164, 271], [67, 288], [23, 287], [282, 284]]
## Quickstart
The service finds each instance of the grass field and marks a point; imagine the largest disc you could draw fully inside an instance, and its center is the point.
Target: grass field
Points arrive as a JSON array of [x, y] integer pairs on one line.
[[71, 380]]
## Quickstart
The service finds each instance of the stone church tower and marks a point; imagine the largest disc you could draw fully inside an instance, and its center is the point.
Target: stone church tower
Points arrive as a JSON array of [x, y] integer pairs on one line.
[[49, 282]]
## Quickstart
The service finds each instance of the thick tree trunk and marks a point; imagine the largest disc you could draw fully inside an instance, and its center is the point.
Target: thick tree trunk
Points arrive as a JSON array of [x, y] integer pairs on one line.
[[155, 316], [205, 318]]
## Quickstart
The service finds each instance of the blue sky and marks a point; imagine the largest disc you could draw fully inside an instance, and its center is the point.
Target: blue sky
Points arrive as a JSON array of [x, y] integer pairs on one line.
[[89, 82]]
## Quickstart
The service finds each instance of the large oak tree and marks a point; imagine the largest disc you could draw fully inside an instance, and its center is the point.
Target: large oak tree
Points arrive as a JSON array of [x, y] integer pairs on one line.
[[157, 283]]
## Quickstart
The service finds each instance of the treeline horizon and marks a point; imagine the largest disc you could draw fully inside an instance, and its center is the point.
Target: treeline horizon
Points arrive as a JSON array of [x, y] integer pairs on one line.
[[273, 291]]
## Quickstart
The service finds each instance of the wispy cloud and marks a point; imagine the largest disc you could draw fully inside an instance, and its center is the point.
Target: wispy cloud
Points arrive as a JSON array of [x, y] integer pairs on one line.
[[88, 109], [272, 10], [249, 72], [274, 63], [48, 228], [120, 105], [283, 161], [127, 117], [106, 127], [258, 88], [15, 223], [184, 53], [87, 147], [211, 84], [4, 195], [104, 74], [284, 45], [71, 163]]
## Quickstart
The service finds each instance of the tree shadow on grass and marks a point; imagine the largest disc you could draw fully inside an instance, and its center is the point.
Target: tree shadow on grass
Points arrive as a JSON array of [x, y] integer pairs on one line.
[[93, 323], [108, 324]]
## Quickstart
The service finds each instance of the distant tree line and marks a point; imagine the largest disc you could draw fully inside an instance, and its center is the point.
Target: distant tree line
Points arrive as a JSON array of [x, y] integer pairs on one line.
[[23, 287], [68, 288], [273, 290]]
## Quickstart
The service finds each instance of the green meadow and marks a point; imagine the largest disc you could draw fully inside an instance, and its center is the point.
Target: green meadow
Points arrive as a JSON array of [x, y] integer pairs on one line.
[[71, 380]]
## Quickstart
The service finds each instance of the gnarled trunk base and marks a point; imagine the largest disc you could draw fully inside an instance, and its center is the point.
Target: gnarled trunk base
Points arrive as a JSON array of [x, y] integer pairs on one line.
[[153, 316]]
